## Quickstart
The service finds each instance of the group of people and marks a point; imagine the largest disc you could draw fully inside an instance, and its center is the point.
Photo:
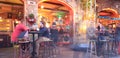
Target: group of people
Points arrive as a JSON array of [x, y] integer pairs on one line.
[[50, 33], [112, 33]]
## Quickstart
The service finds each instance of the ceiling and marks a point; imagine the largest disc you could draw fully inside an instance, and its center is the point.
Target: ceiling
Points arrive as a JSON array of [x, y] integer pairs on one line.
[[48, 7], [109, 12], [12, 2]]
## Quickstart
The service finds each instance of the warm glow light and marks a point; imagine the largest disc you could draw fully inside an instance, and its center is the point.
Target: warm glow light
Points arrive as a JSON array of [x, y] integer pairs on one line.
[[7, 28], [96, 5], [47, 25], [16, 21], [8, 21], [83, 28], [0, 17], [1, 20], [8, 24], [90, 15], [114, 26], [110, 9], [42, 7], [43, 0]]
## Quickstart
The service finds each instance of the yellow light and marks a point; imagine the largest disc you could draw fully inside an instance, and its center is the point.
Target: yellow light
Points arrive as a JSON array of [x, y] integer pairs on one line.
[[7, 28], [47, 25], [8, 24], [1, 20], [90, 15], [42, 7], [16, 21], [111, 9], [8, 21], [114, 25], [83, 28], [43, 0]]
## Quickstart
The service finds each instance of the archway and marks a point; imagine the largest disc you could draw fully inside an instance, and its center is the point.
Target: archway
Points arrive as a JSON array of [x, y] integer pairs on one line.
[[52, 9], [108, 16], [109, 12]]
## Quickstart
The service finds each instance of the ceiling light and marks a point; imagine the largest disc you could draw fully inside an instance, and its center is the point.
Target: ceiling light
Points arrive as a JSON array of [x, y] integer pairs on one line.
[[42, 7]]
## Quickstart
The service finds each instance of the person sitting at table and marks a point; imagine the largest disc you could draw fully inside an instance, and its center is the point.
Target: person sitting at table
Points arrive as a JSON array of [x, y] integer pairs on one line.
[[20, 27], [54, 34], [44, 32], [44, 35]]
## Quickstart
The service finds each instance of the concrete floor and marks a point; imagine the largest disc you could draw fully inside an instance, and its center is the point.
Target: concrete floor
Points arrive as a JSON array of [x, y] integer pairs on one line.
[[6, 53], [65, 52]]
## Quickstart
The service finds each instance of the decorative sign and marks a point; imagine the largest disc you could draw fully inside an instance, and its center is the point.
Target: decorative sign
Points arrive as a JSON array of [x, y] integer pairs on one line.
[[108, 17], [115, 18], [31, 2], [104, 17]]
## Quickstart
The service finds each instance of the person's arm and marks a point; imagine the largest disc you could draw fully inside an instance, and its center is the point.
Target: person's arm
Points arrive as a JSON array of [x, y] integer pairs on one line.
[[42, 30], [25, 28]]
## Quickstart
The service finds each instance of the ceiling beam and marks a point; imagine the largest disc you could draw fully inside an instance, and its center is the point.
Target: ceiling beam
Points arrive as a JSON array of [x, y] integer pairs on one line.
[[57, 10], [53, 3], [11, 3]]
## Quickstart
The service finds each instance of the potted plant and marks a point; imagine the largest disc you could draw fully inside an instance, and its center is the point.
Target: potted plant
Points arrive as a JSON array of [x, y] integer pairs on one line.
[[31, 18]]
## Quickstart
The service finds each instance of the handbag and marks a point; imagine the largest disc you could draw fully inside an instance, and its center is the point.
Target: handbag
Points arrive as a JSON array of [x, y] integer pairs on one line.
[[21, 35]]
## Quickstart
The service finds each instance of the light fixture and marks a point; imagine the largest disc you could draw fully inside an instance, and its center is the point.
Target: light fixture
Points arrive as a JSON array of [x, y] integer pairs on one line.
[[42, 7]]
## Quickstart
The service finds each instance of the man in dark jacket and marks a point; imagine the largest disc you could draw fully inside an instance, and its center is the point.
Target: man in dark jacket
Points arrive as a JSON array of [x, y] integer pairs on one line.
[[43, 36], [54, 33], [44, 32]]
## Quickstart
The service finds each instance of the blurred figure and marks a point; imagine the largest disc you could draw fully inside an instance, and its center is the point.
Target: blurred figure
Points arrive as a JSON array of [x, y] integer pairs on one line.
[[54, 33], [98, 27], [61, 34], [117, 35], [117, 31], [61, 31], [100, 37], [44, 32], [43, 36], [18, 29], [90, 32]]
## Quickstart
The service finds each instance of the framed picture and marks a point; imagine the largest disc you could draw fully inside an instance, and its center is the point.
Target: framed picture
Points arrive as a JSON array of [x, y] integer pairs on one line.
[[9, 15]]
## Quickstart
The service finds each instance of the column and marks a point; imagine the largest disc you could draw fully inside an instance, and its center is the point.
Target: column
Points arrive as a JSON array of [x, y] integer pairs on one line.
[[30, 7]]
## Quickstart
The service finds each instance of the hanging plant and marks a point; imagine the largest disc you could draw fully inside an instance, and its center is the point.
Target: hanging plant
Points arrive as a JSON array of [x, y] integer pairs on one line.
[[31, 19], [31, 16]]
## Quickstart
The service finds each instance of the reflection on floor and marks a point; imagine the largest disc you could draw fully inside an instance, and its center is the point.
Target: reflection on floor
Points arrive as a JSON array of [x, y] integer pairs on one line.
[[65, 52]]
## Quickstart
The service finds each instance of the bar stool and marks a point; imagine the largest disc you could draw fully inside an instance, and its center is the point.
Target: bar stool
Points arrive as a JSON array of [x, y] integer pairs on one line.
[[47, 48], [22, 49], [92, 47], [105, 47]]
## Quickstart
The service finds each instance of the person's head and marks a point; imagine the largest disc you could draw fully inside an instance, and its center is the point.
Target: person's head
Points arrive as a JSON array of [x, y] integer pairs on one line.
[[42, 24], [98, 27], [54, 26], [22, 21]]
